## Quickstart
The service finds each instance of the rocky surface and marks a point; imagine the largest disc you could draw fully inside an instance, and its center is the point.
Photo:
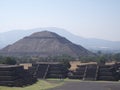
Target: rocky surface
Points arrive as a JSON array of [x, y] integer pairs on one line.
[[44, 44]]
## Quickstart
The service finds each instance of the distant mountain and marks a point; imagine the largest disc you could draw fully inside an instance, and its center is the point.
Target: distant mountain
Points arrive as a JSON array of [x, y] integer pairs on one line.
[[89, 43], [44, 44]]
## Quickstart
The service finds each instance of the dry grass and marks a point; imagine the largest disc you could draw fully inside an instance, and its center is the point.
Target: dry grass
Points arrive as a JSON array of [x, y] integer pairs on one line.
[[26, 65], [110, 63], [75, 63]]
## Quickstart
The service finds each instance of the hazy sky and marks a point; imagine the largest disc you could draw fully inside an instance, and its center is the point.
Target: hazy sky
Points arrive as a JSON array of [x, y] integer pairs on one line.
[[87, 18]]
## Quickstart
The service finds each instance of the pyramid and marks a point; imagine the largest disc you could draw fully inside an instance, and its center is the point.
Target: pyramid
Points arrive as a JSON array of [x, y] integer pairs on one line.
[[43, 44]]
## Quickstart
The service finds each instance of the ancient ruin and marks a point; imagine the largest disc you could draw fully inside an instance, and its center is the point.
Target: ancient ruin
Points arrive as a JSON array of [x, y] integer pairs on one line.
[[49, 70], [95, 72], [44, 44], [15, 75]]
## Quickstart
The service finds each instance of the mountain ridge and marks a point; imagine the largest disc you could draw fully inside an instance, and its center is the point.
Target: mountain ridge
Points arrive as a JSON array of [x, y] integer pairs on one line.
[[89, 43]]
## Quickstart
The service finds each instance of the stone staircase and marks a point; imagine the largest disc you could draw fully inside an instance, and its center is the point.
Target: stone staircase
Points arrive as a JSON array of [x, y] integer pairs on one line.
[[96, 72], [49, 70], [90, 72]]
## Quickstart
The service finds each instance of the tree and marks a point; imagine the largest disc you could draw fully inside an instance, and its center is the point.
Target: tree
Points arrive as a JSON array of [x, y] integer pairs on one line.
[[99, 52], [9, 60], [66, 63], [65, 59], [101, 60], [117, 57]]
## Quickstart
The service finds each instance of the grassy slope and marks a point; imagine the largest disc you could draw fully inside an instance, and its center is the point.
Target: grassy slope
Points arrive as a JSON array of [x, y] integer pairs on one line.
[[40, 85]]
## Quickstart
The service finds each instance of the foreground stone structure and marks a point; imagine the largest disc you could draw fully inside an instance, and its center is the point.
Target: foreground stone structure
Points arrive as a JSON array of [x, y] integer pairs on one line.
[[96, 72], [15, 75], [49, 70], [84, 72]]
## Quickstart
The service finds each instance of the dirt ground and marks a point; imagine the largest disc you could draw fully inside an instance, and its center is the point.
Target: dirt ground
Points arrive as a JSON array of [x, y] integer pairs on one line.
[[26, 65], [89, 85], [75, 63]]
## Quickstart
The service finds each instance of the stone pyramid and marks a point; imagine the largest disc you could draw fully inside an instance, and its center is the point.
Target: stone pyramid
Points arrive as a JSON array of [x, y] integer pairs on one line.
[[43, 44]]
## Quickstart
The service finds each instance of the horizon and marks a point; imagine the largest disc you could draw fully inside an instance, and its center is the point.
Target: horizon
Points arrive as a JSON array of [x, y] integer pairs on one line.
[[85, 18], [44, 29]]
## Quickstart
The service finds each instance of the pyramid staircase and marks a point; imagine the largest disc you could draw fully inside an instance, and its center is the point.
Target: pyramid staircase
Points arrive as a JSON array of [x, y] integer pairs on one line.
[[57, 71], [45, 75], [96, 72], [36, 70], [41, 71], [90, 72], [49, 70], [85, 72]]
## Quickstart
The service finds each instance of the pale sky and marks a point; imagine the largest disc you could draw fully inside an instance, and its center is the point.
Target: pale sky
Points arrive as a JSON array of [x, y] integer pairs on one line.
[[87, 18]]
